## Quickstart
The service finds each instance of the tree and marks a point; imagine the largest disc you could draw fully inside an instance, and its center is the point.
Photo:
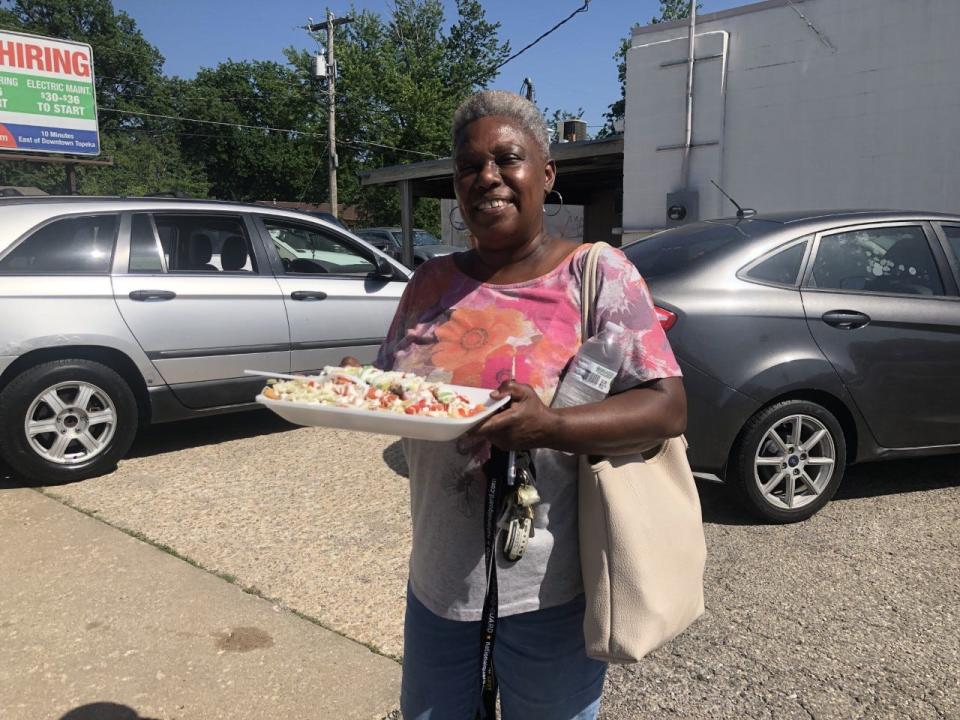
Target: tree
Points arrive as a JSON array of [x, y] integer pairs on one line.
[[674, 10], [401, 78], [669, 10], [251, 163], [128, 79]]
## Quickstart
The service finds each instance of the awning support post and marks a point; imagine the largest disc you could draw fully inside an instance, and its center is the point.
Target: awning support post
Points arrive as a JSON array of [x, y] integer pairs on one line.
[[406, 221]]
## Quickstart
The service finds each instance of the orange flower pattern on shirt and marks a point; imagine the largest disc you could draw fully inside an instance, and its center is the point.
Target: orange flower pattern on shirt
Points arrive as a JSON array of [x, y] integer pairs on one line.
[[470, 335]]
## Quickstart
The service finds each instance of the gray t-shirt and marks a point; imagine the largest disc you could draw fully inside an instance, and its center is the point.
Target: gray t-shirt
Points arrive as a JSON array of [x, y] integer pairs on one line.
[[452, 328]]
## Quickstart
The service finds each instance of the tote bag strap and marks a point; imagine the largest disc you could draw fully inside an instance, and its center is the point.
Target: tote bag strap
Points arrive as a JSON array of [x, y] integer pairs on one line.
[[588, 291]]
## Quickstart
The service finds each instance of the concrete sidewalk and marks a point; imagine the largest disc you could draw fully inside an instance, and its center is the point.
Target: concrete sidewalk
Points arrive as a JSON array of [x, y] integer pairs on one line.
[[97, 625]]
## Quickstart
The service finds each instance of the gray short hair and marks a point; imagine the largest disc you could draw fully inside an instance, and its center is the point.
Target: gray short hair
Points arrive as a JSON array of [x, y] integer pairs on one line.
[[500, 102]]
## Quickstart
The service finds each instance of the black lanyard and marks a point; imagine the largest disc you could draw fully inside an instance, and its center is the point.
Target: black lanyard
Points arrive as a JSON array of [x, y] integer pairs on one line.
[[496, 471]]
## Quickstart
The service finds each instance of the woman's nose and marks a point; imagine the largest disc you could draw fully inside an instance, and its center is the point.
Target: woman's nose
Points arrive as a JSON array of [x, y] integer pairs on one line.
[[490, 174]]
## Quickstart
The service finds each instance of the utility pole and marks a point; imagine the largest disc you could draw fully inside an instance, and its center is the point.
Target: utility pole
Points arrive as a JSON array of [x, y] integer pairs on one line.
[[329, 26]]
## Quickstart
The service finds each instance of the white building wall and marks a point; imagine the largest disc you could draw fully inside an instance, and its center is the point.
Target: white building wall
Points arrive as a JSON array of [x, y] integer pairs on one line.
[[865, 114]]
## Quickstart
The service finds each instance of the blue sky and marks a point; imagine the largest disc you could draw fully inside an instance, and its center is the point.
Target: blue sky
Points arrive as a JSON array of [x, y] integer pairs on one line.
[[570, 69]]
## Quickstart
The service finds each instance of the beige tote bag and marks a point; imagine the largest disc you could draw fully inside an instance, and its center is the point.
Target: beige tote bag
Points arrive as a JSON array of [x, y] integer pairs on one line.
[[642, 550]]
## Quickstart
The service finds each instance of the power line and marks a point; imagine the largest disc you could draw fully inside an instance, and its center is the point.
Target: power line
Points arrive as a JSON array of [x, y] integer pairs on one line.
[[583, 8], [267, 128]]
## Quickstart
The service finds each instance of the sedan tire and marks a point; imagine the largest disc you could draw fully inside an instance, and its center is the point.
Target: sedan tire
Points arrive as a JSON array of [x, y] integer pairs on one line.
[[789, 461], [66, 420]]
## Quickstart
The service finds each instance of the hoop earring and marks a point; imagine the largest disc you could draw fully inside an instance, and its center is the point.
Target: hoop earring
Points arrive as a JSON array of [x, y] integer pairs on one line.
[[459, 227], [553, 214]]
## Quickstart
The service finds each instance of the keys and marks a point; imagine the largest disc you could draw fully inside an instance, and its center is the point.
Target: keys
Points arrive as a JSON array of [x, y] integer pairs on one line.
[[517, 517]]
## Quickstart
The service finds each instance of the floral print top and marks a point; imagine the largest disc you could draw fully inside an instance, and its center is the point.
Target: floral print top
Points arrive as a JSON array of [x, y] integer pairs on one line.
[[452, 328]]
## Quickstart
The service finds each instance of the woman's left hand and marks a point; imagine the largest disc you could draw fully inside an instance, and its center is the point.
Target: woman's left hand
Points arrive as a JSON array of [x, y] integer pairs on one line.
[[524, 424]]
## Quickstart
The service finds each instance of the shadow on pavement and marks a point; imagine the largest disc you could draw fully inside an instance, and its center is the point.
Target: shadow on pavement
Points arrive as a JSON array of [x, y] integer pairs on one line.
[[180, 435], [103, 711], [900, 476], [395, 460], [183, 434]]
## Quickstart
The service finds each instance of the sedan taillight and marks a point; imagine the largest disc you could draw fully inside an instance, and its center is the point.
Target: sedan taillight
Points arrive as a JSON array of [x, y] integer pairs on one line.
[[667, 319]]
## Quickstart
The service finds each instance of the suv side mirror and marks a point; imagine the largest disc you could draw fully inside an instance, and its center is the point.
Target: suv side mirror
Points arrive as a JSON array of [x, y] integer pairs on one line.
[[384, 268]]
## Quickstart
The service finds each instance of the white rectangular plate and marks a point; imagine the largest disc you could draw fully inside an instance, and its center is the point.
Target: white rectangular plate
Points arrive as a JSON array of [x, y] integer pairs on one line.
[[417, 427]]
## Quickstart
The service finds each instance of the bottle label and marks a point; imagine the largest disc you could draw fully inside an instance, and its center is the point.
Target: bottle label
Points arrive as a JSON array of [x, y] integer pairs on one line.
[[596, 376]]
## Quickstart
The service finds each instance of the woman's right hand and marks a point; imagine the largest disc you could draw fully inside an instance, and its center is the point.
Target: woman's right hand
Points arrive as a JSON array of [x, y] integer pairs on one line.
[[349, 361]]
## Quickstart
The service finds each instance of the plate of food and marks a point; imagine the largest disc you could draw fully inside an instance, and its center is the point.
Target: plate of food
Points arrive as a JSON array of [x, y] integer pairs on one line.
[[378, 401]]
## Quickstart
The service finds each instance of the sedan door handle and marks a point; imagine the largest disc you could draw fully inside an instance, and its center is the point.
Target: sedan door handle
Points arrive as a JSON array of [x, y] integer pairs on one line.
[[152, 295], [845, 319], [308, 295]]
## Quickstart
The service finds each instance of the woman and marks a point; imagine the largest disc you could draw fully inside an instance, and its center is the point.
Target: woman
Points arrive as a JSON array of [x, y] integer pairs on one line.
[[506, 315]]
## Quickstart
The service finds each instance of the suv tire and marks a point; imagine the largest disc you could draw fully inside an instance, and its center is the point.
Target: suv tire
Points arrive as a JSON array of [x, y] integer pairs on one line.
[[789, 461], [66, 420]]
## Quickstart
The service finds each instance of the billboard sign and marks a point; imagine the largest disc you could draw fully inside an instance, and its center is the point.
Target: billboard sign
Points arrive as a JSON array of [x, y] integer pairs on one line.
[[47, 98]]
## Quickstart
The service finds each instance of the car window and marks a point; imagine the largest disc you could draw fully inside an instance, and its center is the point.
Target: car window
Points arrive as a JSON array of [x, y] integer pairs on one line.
[[420, 237], [892, 260], [307, 249], [191, 244], [145, 250], [675, 250], [781, 268], [76, 245], [953, 238]]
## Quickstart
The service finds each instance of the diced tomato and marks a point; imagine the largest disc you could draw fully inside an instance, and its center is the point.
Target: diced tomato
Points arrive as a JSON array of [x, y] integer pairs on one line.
[[340, 380], [388, 400], [372, 394]]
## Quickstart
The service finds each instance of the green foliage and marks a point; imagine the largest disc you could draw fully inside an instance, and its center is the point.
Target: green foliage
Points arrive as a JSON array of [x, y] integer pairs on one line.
[[249, 164], [401, 78], [673, 10]]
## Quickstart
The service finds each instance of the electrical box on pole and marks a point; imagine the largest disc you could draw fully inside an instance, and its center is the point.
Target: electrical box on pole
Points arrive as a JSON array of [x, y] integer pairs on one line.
[[319, 66]]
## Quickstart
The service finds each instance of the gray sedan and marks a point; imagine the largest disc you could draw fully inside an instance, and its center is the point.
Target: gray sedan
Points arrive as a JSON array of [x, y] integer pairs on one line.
[[809, 341]]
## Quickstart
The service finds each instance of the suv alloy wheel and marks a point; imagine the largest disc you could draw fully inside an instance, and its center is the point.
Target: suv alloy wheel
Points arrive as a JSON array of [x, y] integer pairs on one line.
[[789, 461], [66, 420]]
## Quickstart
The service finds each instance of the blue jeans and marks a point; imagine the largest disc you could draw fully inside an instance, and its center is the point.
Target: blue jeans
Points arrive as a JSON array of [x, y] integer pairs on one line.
[[543, 670]]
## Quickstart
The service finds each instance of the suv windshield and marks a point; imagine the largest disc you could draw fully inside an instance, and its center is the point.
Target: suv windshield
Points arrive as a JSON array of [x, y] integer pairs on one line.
[[674, 250], [420, 237]]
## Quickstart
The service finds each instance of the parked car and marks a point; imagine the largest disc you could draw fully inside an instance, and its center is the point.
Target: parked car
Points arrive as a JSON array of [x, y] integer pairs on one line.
[[329, 217], [116, 312], [809, 341], [390, 241]]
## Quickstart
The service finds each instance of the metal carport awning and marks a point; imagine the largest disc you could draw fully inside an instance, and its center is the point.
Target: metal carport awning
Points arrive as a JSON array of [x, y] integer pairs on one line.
[[589, 173]]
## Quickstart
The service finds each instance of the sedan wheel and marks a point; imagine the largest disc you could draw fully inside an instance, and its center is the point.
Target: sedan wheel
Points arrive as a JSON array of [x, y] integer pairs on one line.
[[790, 460]]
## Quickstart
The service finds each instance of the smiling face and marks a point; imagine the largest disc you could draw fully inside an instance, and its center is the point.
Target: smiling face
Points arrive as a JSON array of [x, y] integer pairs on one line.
[[501, 178]]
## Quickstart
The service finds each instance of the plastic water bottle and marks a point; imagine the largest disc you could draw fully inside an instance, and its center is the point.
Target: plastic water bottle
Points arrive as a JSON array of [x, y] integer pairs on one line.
[[593, 369]]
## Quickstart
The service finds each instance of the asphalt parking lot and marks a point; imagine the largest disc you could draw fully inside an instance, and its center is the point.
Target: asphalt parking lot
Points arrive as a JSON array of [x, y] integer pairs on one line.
[[852, 614]]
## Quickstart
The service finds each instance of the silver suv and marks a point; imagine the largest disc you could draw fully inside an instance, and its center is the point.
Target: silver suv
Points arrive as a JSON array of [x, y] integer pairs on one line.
[[116, 312]]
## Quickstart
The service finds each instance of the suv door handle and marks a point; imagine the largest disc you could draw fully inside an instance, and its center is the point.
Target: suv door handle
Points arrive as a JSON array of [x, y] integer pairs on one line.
[[845, 319], [308, 295], [152, 295]]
